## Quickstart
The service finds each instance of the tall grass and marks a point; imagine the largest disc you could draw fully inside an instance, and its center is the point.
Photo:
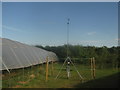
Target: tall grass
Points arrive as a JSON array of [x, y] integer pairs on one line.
[[34, 77]]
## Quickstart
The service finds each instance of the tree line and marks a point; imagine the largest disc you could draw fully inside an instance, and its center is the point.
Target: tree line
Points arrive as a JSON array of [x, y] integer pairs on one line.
[[104, 56]]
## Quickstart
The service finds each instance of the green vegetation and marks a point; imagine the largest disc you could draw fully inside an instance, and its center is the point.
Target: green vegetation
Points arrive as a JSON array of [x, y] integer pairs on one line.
[[104, 56], [107, 70], [34, 77]]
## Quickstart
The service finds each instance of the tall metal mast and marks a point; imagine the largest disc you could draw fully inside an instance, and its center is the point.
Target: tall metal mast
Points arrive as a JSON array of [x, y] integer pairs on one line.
[[68, 22], [68, 59]]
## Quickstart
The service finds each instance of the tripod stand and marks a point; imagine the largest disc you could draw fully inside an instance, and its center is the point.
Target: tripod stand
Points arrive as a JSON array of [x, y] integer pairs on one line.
[[68, 59]]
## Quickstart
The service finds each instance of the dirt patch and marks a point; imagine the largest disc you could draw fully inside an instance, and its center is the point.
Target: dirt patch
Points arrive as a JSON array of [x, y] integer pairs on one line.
[[32, 76], [22, 82], [2, 75], [17, 86]]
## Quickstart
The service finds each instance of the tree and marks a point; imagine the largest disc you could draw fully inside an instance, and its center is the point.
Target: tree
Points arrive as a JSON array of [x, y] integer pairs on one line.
[[104, 56]]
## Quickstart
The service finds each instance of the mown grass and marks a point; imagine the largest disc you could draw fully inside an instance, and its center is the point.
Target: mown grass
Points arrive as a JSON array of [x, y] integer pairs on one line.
[[34, 77]]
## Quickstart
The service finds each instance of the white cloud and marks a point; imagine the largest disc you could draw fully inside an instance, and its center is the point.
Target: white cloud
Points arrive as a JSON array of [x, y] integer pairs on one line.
[[108, 43], [11, 28], [91, 33], [93, 42], [117, 39]]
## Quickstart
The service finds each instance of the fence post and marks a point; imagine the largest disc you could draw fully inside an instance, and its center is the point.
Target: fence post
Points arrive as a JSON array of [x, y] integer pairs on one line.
[[93, 67], [47, 69], [52, 66]]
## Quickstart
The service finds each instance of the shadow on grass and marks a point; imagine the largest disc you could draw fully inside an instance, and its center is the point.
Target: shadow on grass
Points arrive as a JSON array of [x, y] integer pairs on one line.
[[111, 81]]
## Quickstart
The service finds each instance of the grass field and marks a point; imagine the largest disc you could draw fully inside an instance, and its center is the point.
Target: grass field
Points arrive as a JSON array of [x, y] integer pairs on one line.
[[34, 77]]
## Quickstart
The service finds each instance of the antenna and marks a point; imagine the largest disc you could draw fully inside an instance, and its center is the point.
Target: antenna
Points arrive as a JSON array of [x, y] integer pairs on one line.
[[68, 22], [68, 59]]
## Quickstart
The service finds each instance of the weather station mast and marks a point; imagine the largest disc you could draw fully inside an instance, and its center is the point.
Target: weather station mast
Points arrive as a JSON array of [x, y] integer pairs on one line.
[[68, 60], [68, 22]]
